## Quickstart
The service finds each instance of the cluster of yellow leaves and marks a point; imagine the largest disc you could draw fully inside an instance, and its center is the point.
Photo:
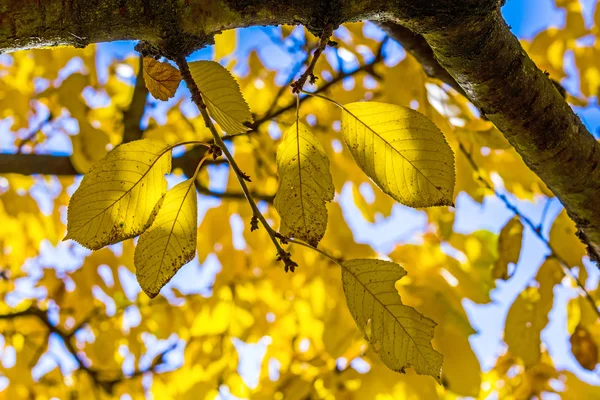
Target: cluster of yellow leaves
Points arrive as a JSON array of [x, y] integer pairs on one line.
[[124, 194], [312, 338]]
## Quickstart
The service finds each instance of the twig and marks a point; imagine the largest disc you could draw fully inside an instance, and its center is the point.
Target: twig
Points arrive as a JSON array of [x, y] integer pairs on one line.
[[33, 133], [241, 176], [368, 68], [106, 384], [535, 228], [232, 195], [309, 73], [133, 115]]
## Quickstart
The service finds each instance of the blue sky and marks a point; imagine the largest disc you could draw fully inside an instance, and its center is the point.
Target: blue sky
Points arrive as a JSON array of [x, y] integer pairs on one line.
[[526, 18]]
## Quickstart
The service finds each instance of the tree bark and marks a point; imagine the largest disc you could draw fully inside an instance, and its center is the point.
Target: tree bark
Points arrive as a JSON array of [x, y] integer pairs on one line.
[[469, 39]]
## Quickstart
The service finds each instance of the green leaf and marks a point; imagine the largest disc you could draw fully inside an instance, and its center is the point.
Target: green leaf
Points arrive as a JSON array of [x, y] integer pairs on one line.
[[117, 198], [398, 333], [171, 240], [402, 151], [222, 96], [305, 185]]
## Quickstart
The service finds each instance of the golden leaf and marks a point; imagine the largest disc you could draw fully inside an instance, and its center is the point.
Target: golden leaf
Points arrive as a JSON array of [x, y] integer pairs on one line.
[[117, 198], [564, 240], [162, 79], [398, 333], [89, 147], [222, 96], [509, 247], [225, 43], [305, 186], [528, 315], [584, 348], [170, 242], [402, 151]]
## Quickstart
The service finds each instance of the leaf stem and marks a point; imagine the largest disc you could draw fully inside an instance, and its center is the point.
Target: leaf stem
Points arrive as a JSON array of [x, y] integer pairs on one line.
[[241, 176], [200, 166], [324, 98], [301, 243], [309, 73]]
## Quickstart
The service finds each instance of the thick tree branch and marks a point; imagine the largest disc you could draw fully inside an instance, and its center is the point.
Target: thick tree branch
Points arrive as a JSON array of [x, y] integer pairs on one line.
[[418, 47], [487, 60], [469, 39], [133, 115], [32, 164]]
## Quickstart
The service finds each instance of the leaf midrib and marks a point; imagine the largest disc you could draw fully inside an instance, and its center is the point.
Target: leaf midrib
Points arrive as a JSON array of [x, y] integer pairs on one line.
[[127, 191], [173, 226], [386, 309], [397, 151]]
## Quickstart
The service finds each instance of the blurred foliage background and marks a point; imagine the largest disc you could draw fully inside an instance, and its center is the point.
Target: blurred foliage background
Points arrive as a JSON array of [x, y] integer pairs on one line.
[[75, 325]]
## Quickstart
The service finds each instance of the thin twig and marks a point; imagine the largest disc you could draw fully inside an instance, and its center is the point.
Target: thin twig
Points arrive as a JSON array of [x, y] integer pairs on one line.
[[241, 176], [535, 228], [309, 73], [33, 132]]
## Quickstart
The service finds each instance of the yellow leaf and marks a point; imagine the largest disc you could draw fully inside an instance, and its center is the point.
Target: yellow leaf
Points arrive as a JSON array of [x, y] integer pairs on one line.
[[509, 247], [171, 240], [225, 43], [528, 315], [89, 146], [524, 322], [118, 196], [584, 348], [564, 240], [305, 186], [402, 151], [398, 333], [286, 30], [162, 79], [222, 96]]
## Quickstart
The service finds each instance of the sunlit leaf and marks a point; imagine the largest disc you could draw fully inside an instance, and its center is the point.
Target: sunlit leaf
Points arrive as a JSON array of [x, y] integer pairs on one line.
[[117, 198], [404, 153], [509, 247], [222, 96], [225, 43], [89, 146], [170, 242], [565, 242], [528, 315], [398, 333], [162, 79], [305, 186]]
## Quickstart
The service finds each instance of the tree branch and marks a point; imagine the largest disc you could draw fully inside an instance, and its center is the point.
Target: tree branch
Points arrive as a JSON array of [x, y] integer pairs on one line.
[[66, 337], [240, 175], [469, 39], [309, 73], [33, 164], [537, 229], [487, 60], [133, 115], [418, 47]]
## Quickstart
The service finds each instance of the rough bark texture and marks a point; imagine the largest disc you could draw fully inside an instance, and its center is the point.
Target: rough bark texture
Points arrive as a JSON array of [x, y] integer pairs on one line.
[[32, 164], [488, 62], [469, 39], [418, 47]]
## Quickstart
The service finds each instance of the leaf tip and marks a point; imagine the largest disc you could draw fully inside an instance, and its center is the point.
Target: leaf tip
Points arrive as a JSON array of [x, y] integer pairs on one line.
[[149, 293]]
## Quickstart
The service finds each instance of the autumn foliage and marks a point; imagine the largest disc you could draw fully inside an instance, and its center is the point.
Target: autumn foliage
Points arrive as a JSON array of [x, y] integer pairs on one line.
[[228, 222]]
